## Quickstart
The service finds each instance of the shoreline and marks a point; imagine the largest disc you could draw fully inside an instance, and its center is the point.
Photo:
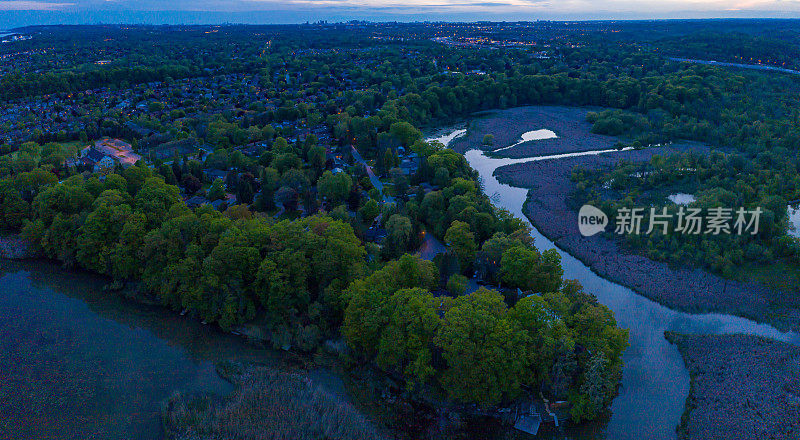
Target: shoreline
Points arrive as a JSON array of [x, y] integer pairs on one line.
[[549, 185], [15, 247], [441, 416], [170, 327], [688, 289]]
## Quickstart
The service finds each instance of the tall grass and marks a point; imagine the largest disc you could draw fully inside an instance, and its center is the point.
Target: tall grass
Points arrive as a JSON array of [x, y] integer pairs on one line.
[[266, 404]]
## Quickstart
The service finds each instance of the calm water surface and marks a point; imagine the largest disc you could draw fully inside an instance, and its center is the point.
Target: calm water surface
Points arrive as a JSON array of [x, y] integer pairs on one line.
[[655, 381], [77, 362], [794, 221], [534, 135]]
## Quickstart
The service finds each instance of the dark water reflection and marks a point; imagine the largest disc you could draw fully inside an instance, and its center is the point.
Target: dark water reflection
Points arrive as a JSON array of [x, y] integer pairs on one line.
[[77, 362]]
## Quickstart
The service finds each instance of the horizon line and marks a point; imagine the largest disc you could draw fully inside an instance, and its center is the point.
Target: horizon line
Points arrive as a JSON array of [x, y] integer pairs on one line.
[[367, 21]]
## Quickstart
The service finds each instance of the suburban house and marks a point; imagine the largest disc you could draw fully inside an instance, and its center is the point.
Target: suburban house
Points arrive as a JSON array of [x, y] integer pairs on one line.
[[97, 161], [410, 164], [105, 153], [118, 150]]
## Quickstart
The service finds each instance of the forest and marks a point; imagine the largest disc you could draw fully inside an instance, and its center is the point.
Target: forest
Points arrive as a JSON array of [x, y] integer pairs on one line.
[[301, 282], [262, 123]]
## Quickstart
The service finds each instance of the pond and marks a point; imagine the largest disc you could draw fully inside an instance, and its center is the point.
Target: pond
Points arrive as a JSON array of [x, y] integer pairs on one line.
[[534, 135], [446, 136], [681, 198]]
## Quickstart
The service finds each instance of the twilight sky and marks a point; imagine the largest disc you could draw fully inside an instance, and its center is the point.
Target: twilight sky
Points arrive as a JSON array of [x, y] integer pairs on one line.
[[22, 12]]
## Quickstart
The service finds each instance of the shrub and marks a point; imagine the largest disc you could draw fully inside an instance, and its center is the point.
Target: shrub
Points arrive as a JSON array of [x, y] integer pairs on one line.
[[266, 404], [457, 284]]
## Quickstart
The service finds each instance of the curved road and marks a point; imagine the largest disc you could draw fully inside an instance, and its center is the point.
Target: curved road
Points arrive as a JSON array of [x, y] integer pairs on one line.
[[372, 177]]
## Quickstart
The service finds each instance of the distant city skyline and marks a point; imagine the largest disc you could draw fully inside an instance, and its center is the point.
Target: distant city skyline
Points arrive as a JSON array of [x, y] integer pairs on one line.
[[15, 13]]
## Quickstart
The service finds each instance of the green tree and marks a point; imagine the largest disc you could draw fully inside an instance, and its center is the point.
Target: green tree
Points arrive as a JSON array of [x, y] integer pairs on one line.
[[596, 390], [296, 180], [317, 158], [217, 190], [400, 181], [529, 270], [406, 133], [399, 231], [270, 180], [462, 242], [369, 211], [366, 299], [487, 355], [406, 340], [334, 187], [154, 200], [98, 237], [282, 286], [457, 284]]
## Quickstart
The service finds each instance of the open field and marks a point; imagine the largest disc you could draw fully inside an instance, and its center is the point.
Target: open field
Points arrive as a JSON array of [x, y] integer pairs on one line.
[[743, 387]]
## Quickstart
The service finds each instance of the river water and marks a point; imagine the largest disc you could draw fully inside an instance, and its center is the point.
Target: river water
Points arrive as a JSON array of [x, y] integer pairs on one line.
[[446, 136], [77, 362], [533, 135], [794, 221], [655, 381]]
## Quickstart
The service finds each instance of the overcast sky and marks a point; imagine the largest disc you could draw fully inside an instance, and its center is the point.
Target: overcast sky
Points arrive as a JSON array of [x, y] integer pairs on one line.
[[21, 12]]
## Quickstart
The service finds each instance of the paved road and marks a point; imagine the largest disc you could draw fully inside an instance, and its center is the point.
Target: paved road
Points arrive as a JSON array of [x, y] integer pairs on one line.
[[430, 247], [280, 211], [372, 177], [742, 66]]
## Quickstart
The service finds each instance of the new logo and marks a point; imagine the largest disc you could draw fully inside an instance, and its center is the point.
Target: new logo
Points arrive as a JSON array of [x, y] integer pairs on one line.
[[591, 220]]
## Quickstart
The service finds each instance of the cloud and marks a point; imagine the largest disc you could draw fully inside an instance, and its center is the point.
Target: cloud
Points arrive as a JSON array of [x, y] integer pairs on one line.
[[294, 11], [406, 3], [673, 6], [386, 8], [24, 5]]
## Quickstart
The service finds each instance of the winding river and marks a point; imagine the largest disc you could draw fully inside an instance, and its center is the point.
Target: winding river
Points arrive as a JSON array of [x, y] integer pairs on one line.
[[79, 362], [655, 381]]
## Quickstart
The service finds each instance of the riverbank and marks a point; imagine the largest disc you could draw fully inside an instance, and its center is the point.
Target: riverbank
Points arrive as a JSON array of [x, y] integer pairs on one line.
[[683, 288], [118, 360], [78, 361], [742, 387], [15, 247], [654, 375]]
